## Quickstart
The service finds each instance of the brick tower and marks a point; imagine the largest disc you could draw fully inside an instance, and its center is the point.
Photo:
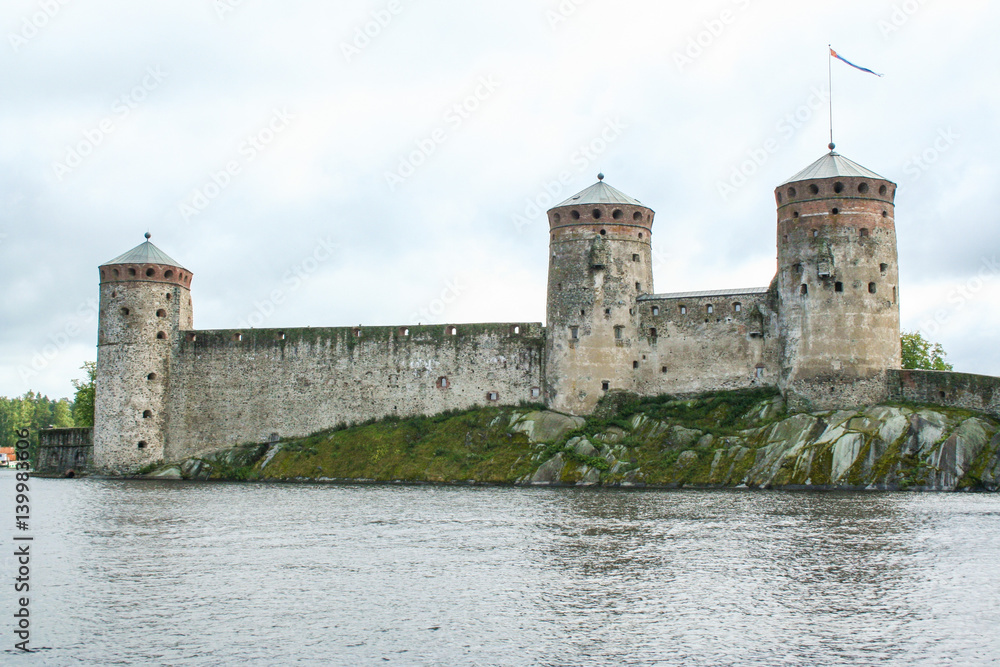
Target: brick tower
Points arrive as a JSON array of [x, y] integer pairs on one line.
[[838, 284], [599, 263], [145, 302]]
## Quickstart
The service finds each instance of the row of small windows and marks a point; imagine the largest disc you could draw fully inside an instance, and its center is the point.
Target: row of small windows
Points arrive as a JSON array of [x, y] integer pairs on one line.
[[839, 288], [709, 309], [619, 331], [449, 330], [838, 188], [150, 272], [356, 332], [597, 214]]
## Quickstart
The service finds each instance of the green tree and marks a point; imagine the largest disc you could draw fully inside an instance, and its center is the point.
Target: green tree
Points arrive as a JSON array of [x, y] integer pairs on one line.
[[83, 402], [918, 352], [33, 412], [62, 414], [8, 422]]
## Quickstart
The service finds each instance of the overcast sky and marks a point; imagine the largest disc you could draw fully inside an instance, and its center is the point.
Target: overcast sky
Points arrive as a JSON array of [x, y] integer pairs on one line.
[[342, 163]]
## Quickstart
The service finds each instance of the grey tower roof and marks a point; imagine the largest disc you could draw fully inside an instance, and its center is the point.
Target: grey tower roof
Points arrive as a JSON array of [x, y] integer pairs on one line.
[[145, 253], [832, 165], [600, 193]]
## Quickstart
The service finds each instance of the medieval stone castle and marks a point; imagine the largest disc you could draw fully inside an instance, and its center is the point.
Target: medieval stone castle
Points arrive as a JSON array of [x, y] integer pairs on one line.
[[825, 332]]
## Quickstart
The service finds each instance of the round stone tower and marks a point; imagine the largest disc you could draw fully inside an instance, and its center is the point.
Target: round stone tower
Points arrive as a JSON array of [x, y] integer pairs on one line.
[[838, 283], [600, 261], [145, 302]]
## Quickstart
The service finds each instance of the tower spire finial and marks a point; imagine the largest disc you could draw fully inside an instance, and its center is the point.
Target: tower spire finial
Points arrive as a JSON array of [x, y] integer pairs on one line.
[[829, 66], [148, 236]]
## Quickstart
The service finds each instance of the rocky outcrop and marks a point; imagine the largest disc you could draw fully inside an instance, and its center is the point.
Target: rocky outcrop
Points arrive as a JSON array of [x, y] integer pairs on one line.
[[545, 426], [723, 440]]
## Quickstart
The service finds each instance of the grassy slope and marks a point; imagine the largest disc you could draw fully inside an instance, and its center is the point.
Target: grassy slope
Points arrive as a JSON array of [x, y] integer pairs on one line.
[[473, 445]]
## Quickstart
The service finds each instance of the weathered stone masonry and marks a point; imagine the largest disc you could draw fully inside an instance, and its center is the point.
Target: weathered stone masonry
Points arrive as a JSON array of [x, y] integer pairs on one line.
[[231, 387], [825, 332], [64, 451], [980, 393]]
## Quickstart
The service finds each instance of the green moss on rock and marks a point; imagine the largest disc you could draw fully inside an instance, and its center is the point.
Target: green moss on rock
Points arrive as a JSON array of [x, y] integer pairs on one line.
[[715, 440]]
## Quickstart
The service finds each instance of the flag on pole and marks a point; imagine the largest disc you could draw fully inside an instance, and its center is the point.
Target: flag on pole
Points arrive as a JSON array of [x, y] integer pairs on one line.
[[842, 59]]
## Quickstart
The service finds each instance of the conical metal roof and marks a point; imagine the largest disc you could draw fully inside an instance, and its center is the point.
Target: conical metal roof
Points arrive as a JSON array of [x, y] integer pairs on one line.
[[600, 193], [145, 253], [833, 165]]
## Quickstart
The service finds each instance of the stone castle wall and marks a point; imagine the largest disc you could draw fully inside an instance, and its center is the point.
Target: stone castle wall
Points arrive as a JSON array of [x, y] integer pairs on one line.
[[705, 342], [238, 386], [980, 393], [61, 450]]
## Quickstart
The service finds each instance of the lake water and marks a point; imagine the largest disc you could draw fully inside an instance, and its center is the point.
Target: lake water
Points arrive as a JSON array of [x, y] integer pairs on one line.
[[176, 573]]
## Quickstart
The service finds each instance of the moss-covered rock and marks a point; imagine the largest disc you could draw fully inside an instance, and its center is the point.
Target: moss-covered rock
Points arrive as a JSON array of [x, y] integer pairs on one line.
[[728, 439]]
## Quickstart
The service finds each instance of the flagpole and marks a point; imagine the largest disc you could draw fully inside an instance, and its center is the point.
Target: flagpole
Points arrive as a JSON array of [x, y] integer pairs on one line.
[[829, 64]]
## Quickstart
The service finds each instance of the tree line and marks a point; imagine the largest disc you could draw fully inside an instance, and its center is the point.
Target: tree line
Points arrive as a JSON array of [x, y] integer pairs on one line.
[[35, 411]]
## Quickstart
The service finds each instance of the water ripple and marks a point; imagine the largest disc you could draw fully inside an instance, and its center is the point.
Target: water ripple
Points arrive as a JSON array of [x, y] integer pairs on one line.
[[137, 573]]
